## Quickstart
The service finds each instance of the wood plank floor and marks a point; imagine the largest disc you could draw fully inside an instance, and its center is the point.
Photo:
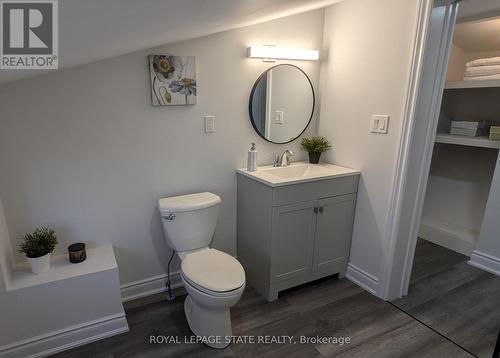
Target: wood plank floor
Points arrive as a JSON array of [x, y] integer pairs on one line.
[[330, 307], [457, 300]]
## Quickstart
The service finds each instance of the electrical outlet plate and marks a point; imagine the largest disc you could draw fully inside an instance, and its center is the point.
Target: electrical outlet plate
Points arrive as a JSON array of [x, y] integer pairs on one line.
[[379, 123]]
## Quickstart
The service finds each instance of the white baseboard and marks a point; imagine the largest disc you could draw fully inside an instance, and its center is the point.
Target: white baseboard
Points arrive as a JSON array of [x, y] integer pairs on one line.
[[455, 238], [362, 278], [60, 340], [485, 262], [149, 286]]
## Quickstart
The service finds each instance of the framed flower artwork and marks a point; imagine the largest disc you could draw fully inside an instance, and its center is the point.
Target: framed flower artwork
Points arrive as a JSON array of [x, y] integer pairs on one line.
[[173, 80]]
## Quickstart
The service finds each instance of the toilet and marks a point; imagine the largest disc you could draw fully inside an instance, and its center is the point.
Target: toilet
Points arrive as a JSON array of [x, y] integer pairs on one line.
[[214, 280]]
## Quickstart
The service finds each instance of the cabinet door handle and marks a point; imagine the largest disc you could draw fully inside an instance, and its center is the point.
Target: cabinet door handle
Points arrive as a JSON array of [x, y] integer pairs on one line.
[[315, 210], [321, 209]]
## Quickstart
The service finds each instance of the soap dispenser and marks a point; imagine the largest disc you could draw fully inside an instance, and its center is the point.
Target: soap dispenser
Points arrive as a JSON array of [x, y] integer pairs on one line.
[[252, 159]]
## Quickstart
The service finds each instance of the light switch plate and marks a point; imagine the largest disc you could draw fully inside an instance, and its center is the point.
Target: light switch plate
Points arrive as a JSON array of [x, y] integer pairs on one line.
[[379, 123], [209, 124], [278, 117]]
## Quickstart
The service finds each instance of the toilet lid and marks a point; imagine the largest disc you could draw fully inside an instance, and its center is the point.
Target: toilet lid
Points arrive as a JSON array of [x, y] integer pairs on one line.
[[190, 202], [213, 270]]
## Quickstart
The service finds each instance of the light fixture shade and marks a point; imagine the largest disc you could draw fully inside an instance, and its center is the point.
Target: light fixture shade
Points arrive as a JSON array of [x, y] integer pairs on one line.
[[271, 52]]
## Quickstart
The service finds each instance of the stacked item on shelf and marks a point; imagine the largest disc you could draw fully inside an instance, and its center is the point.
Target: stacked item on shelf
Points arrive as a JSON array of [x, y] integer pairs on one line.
[[482, 69], [495, 132], [469, 128]]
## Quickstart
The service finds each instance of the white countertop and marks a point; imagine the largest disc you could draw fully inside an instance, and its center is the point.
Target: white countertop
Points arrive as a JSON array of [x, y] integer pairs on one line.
[[298, 172]]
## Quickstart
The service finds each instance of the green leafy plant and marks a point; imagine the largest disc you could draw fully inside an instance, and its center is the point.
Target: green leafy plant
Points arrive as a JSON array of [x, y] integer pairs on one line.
[[316, 144], [39, 243]]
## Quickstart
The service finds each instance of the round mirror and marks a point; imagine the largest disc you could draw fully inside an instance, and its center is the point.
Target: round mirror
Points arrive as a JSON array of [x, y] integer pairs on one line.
[[281, 103]]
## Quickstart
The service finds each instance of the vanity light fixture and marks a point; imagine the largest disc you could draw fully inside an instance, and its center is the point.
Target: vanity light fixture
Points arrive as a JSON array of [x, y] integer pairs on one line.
[[271, 53]]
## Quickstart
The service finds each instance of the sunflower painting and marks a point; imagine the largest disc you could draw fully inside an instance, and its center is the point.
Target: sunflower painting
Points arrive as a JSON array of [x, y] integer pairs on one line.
[[173, 80]]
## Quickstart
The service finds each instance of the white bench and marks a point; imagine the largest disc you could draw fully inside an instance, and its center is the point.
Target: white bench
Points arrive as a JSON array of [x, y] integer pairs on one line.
[[70, 305]]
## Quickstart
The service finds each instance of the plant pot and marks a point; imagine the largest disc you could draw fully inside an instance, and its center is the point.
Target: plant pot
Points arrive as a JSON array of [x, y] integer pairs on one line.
[[39, 264], [77, 253], [314, 158]]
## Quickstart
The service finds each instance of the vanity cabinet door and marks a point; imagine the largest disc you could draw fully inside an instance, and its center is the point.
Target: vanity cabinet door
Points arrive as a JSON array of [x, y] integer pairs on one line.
[[333, 232], [293, 240]]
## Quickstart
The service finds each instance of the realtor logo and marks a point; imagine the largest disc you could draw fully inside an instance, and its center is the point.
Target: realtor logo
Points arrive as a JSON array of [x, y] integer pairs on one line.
[[29, 34]]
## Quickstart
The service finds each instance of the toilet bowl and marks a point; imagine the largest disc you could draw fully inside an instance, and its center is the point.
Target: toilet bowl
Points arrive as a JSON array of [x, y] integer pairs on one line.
[[214, 281]]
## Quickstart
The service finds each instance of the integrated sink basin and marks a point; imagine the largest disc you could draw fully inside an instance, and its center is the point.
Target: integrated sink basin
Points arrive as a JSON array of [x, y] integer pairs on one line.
[[297, 173]]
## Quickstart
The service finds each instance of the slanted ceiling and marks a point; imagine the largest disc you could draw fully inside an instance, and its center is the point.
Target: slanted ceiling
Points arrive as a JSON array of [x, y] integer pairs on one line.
[[93, 30], [478, 35]]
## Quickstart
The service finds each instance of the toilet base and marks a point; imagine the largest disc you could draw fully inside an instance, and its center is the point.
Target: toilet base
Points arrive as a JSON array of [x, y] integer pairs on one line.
[[214, 325]]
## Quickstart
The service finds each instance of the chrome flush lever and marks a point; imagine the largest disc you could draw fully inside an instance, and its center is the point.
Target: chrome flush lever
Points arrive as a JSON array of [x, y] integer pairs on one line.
[[170, 217]]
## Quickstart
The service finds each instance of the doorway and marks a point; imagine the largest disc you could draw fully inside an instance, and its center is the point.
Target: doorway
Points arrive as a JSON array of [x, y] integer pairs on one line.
[[445, 270]]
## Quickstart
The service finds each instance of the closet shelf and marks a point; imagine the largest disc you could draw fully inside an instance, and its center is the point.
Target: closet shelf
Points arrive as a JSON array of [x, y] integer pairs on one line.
[[483, 142], [472, 84]]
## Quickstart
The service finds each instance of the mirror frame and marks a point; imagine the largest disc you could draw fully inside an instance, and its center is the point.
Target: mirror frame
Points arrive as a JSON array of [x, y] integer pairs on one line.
[[253, 91]]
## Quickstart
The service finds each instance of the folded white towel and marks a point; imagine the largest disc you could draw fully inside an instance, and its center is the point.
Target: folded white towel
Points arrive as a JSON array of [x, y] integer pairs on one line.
[[484, 62], [482, 71], [482, 78]]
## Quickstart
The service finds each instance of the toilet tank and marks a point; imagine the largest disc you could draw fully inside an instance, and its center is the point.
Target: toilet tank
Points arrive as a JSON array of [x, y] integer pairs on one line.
[[189, 220]]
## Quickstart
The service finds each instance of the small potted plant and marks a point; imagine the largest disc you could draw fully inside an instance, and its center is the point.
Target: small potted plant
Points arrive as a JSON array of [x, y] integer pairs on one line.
[[38, 246], [315, 146]]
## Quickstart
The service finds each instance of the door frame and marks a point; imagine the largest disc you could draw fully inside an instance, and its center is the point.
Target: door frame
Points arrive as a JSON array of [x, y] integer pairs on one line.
[[408, 196]]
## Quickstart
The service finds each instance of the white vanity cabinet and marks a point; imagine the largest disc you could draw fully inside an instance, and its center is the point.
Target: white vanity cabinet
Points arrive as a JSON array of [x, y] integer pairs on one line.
[[294, 233]]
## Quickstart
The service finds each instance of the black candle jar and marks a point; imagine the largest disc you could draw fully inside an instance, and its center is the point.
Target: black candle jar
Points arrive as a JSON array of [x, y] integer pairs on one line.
[[77, 253]]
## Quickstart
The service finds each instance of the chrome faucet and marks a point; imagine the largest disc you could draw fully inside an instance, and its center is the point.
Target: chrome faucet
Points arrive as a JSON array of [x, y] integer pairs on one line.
[[283, 160]]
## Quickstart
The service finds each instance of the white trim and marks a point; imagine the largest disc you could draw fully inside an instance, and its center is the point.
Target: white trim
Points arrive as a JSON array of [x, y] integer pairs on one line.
[[452, 237], [401, 286], [149, 286], [485, 262], [70, 337], [362, 278], [415, 75], [401, 239]]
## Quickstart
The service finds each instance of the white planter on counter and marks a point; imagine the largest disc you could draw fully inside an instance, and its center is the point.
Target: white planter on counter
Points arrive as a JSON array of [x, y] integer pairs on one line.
[[39, 264]]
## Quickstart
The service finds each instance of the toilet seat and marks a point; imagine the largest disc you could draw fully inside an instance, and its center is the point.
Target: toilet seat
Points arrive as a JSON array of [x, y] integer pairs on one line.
[[213, 271], [214, 294]]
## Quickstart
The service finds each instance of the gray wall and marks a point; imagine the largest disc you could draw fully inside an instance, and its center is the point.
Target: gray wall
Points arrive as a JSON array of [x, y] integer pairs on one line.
[[83, 151], [367, 71]]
